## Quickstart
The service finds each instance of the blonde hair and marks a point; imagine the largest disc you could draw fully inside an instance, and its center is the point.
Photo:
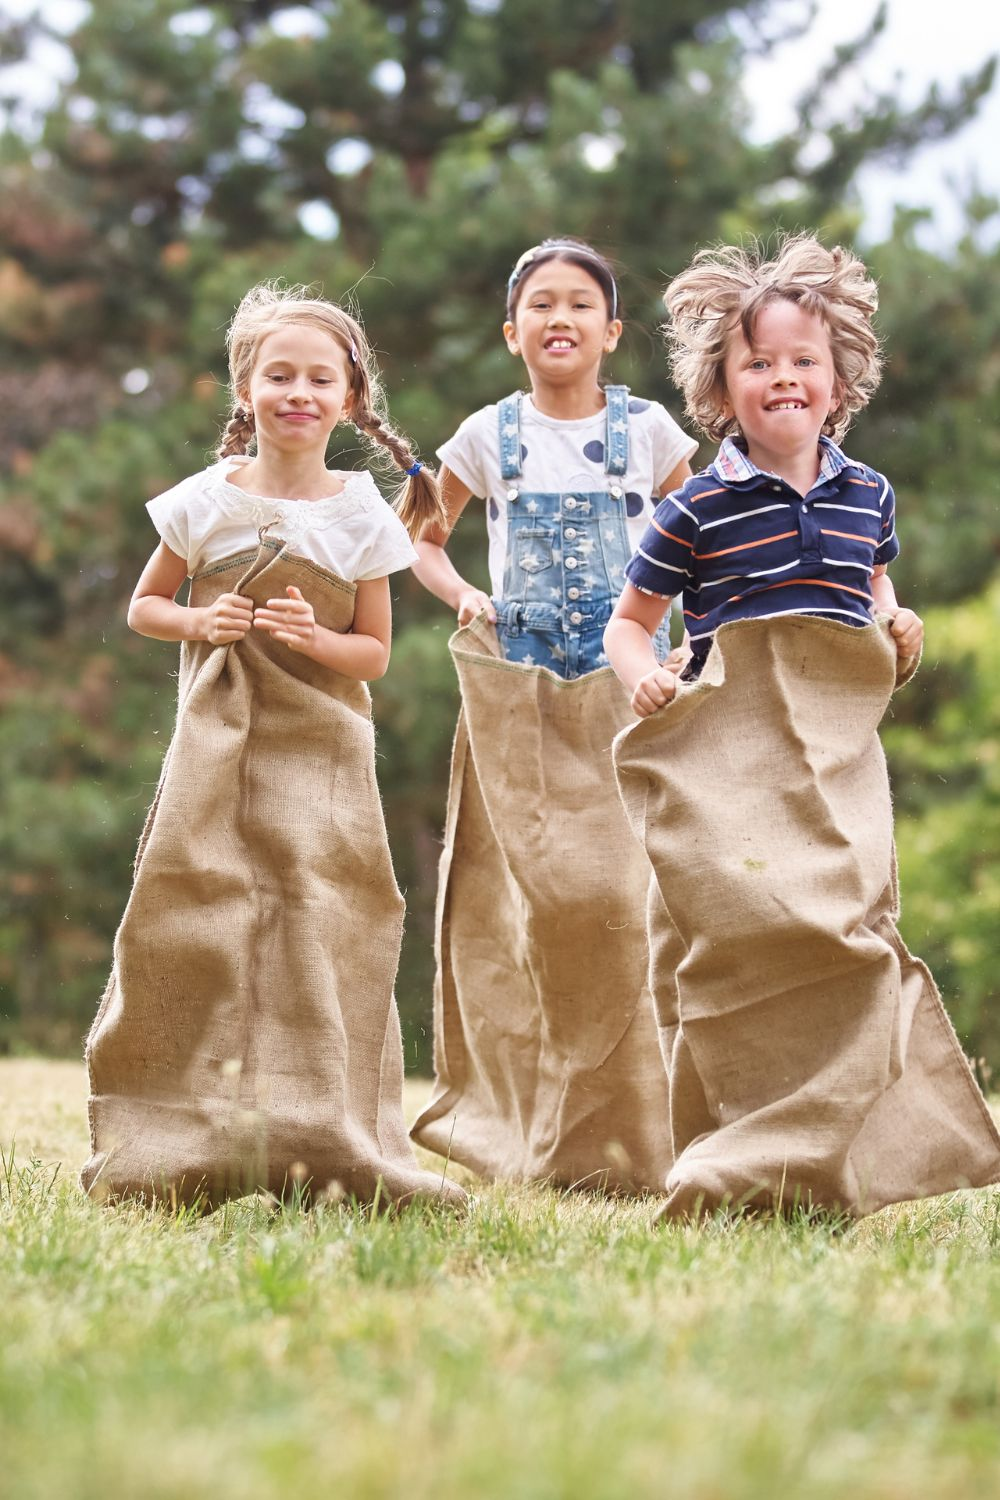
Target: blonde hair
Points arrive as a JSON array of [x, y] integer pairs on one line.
[[726, 287], [270, 306]]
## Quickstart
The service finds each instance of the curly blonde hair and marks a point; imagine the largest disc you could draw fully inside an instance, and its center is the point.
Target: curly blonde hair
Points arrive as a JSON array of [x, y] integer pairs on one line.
[[726, 287], [270, 306]]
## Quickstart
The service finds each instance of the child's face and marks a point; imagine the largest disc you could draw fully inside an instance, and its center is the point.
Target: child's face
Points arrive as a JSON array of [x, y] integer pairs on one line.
[[300, 388], [561, 327], [782, 386]]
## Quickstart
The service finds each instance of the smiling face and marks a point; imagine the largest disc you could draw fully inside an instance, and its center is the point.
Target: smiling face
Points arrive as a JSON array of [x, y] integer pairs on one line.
[[561, 326], [299, 389], [782, 386]]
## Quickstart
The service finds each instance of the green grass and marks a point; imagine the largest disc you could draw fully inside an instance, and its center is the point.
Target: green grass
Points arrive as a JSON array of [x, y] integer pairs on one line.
[[539, 1346]]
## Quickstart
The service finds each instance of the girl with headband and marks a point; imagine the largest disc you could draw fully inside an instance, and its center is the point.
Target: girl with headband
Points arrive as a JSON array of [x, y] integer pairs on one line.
[[546, 1052]]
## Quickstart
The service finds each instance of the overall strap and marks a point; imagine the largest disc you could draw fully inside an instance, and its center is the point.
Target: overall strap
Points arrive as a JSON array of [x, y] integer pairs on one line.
[[509, 429], [616, 445]]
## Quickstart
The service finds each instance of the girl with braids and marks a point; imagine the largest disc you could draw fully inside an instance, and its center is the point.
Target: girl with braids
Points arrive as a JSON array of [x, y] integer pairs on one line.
[[248, 1037], [298, 367]]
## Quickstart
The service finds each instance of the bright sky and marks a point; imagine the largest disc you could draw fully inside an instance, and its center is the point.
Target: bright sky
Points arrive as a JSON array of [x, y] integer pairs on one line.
[[925, 41]]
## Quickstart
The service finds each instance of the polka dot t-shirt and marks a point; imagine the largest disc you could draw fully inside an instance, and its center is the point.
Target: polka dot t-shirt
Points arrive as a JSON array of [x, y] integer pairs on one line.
[[558, 455]]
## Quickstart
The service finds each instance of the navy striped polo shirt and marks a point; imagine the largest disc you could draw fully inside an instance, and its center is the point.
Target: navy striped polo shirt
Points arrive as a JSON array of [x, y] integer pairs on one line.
[[743, 544]]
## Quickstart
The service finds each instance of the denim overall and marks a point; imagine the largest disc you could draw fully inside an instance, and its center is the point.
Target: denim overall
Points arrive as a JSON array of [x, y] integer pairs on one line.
[[566, 554]]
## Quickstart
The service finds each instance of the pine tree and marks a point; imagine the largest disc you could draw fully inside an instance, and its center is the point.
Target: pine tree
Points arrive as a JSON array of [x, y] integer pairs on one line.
[[402, 153]]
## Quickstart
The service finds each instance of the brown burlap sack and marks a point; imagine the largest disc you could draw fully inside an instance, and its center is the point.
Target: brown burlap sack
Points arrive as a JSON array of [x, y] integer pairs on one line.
[[248, 1036], [544, 1040], [810, 1057]]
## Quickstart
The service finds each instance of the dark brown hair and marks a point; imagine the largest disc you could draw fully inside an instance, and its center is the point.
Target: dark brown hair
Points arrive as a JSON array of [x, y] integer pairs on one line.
[[576, 253]]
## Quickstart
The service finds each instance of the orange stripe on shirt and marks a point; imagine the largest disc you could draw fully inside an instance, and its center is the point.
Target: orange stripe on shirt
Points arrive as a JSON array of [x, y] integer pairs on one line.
[[791, 583], [670, 536], [745, 546], [851, 536], [869, 484], [706, 493]]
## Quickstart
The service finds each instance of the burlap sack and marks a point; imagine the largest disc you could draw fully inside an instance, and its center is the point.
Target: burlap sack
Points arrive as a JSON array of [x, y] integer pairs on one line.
[[810, 1057], [248, 1036], [544, 1039]]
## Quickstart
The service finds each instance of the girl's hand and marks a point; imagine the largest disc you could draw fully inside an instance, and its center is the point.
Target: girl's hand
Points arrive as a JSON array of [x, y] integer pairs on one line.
[[678, 659], [653, 691], [290, 620], [227, 619], [472, 602], [907, 630]]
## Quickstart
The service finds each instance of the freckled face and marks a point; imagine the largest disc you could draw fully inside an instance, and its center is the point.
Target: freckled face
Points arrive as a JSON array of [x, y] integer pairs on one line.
[[300, 387], [561, 326], [782, 386]]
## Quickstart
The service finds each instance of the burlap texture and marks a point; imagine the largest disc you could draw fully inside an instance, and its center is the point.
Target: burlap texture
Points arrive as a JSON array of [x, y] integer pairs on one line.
[[544, 1039], [809, 1055], [248, 1036]]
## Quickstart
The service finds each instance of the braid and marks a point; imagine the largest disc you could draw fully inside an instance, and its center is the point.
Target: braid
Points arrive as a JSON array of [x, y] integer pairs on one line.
[[380, 432], [238, 435], [418, 502]]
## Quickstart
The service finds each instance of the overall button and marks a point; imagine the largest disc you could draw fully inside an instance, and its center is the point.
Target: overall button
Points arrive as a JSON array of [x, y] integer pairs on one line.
[[616, 492], [512, 495], [570, 502], [571, 562], [570, 531], [576, 618], [572, 593]]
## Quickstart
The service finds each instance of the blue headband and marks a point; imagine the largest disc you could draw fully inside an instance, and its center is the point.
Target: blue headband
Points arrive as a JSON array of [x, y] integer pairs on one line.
[[528, 258]]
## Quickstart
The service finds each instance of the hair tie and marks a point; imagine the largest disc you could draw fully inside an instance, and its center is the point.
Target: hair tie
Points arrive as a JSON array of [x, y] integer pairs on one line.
[[414, 469]]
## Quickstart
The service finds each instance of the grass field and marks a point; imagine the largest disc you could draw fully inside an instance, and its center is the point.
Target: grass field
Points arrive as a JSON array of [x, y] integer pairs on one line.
[[539, 1346]]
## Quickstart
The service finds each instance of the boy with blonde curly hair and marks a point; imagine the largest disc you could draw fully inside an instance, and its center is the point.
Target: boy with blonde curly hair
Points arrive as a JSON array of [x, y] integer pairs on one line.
[[774, 359], [809, 1058]]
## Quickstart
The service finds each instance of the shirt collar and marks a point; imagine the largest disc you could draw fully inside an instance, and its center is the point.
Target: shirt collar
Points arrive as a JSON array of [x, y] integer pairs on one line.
[[733, 466]]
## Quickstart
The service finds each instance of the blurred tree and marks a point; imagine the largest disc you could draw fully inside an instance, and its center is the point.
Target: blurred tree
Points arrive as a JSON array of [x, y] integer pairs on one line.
[[945, 752], [406, 150]]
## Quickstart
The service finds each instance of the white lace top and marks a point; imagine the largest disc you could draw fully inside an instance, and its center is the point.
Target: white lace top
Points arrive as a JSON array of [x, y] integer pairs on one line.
[[355, 534]]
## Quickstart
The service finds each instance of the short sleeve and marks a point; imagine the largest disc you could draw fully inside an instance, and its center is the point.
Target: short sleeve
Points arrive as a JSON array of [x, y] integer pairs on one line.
[[173, 515], [670, 444], [464, 454], [888, 547], [663, 561], [388, 549]]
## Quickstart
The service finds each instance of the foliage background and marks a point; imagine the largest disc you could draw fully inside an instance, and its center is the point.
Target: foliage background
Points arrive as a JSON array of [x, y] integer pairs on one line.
[[404, 153]]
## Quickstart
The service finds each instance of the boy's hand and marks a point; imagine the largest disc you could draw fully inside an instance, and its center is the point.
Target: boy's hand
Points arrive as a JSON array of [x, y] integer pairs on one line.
[[290, 620], [472, 602], [907, 631], [227, 618], [653, 691]]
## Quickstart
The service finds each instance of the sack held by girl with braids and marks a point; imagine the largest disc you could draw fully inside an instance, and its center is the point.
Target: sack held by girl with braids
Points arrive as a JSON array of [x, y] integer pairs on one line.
[[248, 1037]]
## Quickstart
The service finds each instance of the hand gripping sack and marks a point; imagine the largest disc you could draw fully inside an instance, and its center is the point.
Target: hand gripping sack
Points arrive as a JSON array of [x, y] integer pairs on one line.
[[248, 1036], [545, 1045], [810, 1058]]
